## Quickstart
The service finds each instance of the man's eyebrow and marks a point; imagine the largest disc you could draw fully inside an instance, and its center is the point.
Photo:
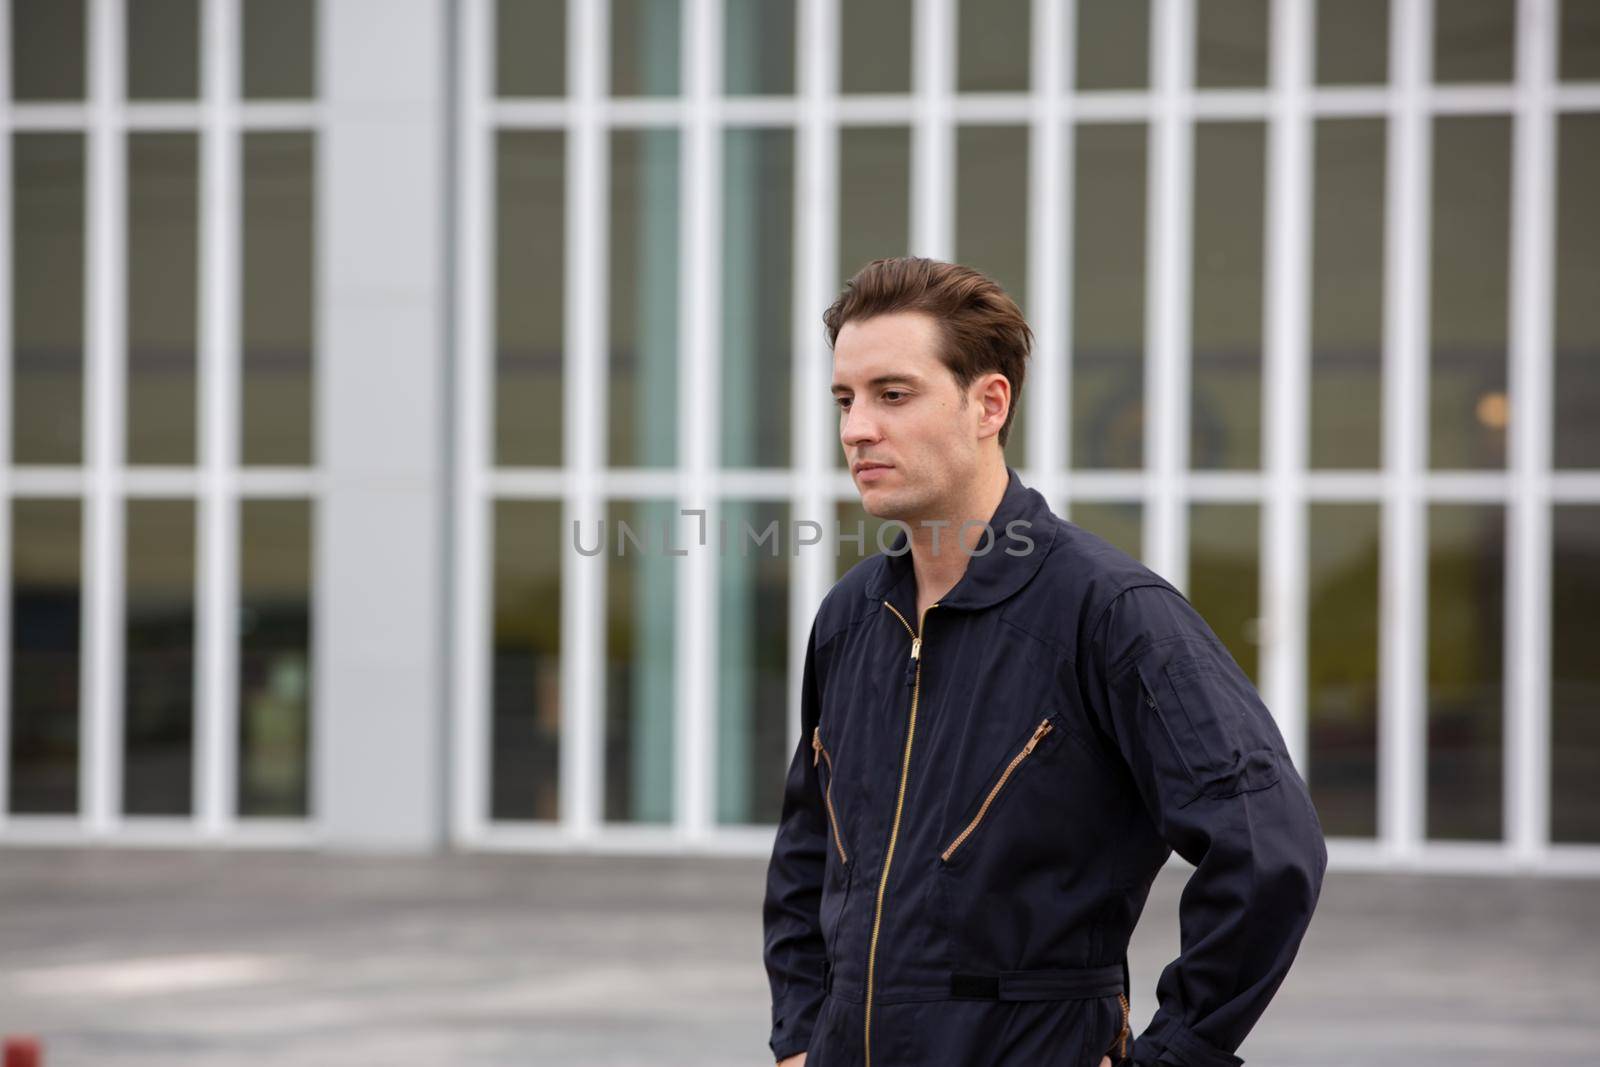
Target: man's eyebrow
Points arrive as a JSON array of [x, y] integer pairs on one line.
[[883, 379]]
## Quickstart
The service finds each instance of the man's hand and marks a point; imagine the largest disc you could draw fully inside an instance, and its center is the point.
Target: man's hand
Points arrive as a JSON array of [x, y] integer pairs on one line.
[[797, 1060]]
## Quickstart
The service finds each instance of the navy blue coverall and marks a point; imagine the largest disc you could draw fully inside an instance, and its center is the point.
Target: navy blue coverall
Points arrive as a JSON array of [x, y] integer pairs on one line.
[[981, 799]]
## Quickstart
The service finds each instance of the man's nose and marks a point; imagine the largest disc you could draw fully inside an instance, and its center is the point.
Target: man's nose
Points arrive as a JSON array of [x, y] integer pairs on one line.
[[858, 428]]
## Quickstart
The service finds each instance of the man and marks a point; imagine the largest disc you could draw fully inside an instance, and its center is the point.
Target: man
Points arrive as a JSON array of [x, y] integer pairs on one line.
[[999, 749]]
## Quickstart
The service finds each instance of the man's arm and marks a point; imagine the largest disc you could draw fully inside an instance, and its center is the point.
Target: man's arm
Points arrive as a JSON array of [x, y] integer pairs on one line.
[[793, 949], [1216, 777]]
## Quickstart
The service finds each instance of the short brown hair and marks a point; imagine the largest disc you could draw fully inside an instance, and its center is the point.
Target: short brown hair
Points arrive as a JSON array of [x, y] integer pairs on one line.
[[983, 328]]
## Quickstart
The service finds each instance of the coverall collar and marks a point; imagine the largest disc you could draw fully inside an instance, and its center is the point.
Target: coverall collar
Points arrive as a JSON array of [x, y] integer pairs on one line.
[[990, 577]]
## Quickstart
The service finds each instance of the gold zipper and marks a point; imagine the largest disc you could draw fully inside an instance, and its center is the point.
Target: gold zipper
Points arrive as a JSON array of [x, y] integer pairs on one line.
[[1039, 731], [899, 803], [1122, 1036], [833, 819]]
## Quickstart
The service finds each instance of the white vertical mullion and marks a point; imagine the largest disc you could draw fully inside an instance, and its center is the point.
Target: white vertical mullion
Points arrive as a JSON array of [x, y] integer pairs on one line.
[[1049, 194], [5, 412], [1527, 624], [474, 503], [100, 666], [217, 580], [933, 133], [1170, 237], [583, 577], [695, 781], [1402, 731], [816, 230], [1286, 396]]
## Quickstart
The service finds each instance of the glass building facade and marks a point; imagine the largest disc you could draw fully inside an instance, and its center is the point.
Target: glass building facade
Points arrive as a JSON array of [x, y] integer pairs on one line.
[[1313, 289]]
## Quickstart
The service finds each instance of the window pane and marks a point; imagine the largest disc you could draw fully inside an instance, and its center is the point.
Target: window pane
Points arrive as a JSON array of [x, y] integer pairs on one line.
[[640, 627], [752, 661], [992, 227], [530, 244], [1120, 522], [163, 282], [1466, 636], [643, 382], [280, 49], [47, 49], [1108, 285], [158, 682], [1342, 667], [852, 520], [1353, 42], [992, 46], [1580, 40], [279, 293], [1231, 42], [275, 657], [1113, 44], [1347, 294], [758, 46], [525, 743], [1575, 682], [757, 296], [1475, 40], [163, 49], [875, 46], [46, 607], [530, 39], [47, 268], [1471, 253], [1225, 576], [645, 36], [1229, 199], [1577, 281]]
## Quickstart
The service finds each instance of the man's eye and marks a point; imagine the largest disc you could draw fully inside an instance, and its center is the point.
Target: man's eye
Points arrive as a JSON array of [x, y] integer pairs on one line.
[[842, 401], [893, 395]]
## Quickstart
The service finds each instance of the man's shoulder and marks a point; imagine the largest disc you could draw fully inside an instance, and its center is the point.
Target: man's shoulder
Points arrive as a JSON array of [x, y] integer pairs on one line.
[[846, 601], [1080, 576]]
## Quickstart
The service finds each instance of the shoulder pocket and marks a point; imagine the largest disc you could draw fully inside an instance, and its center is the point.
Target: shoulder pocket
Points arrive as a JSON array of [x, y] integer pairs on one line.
[[1220, 732]]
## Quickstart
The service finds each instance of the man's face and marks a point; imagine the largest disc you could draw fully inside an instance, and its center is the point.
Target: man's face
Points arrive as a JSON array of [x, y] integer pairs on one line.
[[910, 434]]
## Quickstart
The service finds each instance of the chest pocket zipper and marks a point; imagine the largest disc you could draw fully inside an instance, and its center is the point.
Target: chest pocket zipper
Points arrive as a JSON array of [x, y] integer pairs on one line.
[[818, 752], [1039, 732]]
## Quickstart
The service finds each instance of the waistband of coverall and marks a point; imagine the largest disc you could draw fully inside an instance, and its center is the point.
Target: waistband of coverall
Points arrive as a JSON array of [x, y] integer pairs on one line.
[[1069, 983]]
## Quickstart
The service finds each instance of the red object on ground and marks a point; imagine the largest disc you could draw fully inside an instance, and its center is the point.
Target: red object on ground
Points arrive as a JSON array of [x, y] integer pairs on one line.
[[23, 1052]]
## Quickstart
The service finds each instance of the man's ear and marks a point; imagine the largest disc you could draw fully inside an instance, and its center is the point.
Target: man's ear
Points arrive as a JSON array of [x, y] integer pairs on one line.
[[993, 393]]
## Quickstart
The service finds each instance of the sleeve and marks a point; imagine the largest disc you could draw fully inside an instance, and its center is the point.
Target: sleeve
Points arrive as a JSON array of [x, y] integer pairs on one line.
[[1217, 780], [793, 949]]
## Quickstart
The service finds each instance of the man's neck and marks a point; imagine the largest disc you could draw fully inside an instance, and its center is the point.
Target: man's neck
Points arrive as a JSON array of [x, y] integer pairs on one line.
[[938, 572]]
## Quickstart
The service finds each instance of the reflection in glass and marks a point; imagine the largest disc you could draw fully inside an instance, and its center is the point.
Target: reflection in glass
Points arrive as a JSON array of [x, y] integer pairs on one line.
[[1118, 521], [645, 35], [1113, 44], [640, 627], [163, 49], [163, 283], [1347, 294], [47, 50], [278, 293], [275, 658], [47, 270], [857, 536], [875, 46], [992, 46], [1342, 667], [46, 613], [158, 664], [529, 250], [1580, 41], [1353, 42], [530, 40], [643, 308], [1108, 285], [1232, 38], [1225, 576], [1466, 675], [1229, 201], [1575, 682], [1475, 40], [280, 49], [992, 226], [1577, 282], [757, 296], [753, 750], [1471, 231], [525, 737], [758, 46]]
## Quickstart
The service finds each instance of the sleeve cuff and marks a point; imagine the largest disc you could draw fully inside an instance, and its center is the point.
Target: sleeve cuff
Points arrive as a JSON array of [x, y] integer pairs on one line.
[[1176, 1045], [792, 1023]]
